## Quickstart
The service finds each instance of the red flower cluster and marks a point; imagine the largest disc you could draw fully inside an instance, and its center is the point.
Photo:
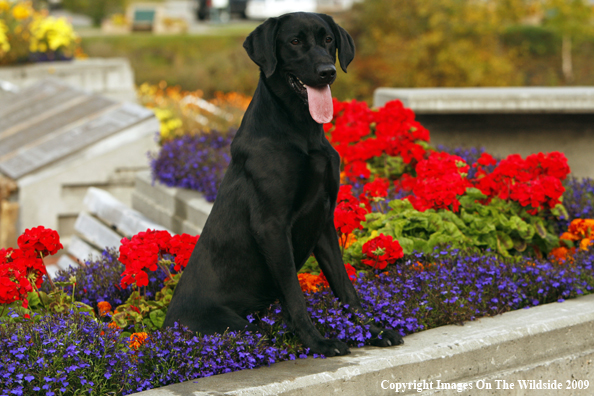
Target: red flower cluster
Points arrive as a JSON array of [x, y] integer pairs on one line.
[[440, 179], [381, 250], [22, 269], [378, 188], [14, 284], [43, 240], [359, 134], [534, 182], [144, 251], [348, 214]]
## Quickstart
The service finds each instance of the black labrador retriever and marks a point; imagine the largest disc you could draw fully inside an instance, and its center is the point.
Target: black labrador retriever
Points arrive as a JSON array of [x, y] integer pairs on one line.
[[276, 202]]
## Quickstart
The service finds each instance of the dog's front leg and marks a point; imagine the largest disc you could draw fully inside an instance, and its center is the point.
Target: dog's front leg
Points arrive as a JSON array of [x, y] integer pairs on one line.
[[329, 257], [275, 244]]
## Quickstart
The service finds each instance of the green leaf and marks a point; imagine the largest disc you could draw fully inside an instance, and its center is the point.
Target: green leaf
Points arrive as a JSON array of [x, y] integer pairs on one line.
[[474, 194], [540, 228], [120, 319], [34, 300], [158, 318], [505, 241], [559, 211], [520, 245], [407, 245]]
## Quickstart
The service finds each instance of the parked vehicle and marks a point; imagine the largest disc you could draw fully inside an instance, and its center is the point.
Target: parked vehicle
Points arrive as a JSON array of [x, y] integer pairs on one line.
[[262, 9], [203, 7]]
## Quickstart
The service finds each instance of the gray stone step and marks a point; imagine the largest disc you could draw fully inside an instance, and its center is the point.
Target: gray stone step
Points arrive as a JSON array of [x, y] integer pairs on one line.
[[180, 210]]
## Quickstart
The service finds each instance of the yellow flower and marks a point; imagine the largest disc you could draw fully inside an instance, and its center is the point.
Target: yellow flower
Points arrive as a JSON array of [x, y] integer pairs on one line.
[[51, 33], [4, 44], [21, 11], [4, 6]]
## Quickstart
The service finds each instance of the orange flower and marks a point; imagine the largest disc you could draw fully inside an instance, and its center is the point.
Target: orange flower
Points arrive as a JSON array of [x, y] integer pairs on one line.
[[137, 339], [582, 228], [310, 282], [585, 243], [347, 240], [104, 308], [568, 236], [561, 255]]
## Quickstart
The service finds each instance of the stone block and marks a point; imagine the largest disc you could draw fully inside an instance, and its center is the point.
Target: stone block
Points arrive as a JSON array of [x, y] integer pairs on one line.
[[112, 77], [156, 213], [491, 100], [552, 342], [180, 210], [162, 196]]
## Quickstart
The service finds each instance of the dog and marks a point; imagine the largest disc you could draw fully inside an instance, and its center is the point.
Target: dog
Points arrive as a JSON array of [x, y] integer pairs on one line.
[[276, 202]]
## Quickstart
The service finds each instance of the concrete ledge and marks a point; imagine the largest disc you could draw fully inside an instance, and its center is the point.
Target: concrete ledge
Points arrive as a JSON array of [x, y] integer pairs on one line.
[[545, 343], [178, 209], [111, 77], [491, 100]]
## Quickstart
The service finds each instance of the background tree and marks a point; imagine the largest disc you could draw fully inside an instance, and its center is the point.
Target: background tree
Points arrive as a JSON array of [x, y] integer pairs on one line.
[[432, 43], [97, 10], [570, 19]]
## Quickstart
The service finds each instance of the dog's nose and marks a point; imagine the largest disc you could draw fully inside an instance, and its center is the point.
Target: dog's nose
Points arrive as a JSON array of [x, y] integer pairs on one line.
[[326, 72]]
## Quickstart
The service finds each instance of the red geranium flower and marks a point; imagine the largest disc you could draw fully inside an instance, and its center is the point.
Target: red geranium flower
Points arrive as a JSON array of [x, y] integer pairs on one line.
[[380, 251], [40, 239], [182, 246], [144, 251]]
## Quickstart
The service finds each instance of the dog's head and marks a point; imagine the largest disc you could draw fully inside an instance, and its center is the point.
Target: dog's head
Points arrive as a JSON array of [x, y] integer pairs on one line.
[[300, 49]]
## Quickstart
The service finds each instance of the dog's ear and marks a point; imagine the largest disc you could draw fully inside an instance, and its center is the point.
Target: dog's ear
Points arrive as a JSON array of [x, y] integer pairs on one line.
[[261, 46], [344, 42]]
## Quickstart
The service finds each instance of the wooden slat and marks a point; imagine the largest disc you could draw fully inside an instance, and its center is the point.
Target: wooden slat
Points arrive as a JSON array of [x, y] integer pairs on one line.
[[74, 139]]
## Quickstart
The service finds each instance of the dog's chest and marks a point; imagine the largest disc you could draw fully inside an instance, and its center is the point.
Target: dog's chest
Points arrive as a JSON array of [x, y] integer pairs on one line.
[[318, 185]]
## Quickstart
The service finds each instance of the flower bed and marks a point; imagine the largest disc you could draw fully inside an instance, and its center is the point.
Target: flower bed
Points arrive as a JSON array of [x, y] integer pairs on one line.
[[27, 35], [431, 238]]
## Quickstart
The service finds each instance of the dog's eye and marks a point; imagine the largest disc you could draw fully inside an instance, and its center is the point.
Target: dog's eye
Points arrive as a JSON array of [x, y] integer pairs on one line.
[[328, 39], [295, 42]]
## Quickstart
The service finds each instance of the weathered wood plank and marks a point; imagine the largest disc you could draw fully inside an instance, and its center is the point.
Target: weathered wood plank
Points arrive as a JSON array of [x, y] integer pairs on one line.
[[9, 213], [127, 221], [92, 130], [15, 143], [96, 232]]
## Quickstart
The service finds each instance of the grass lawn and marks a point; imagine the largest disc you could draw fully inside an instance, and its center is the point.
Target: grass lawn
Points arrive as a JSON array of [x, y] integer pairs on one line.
[[211, 62]]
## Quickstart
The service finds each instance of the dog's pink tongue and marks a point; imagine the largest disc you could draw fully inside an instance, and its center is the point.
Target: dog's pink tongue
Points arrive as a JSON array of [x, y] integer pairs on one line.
[[320, 103]]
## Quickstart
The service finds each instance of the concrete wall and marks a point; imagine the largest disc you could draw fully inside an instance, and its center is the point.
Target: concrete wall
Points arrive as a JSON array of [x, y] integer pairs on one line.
[[553, 342], [111, 77], [507, 120]]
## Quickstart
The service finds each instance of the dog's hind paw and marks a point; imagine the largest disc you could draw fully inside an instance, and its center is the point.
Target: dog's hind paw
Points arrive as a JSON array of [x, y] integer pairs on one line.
[[388, 338], [330, 348]]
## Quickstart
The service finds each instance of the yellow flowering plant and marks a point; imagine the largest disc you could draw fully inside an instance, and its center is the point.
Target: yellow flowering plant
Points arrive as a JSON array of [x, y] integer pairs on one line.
[[187, 112], [29, 35]]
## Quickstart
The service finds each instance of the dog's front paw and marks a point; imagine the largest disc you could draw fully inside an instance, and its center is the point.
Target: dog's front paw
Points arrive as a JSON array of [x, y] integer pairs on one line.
[[388, 338], [328, 348]]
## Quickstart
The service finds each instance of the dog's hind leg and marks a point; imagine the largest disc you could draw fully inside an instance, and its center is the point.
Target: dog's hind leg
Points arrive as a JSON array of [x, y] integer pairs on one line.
[[214, 318]]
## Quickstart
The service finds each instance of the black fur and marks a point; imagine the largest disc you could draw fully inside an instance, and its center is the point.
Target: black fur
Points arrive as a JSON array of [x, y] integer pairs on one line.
[[275, 205]]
